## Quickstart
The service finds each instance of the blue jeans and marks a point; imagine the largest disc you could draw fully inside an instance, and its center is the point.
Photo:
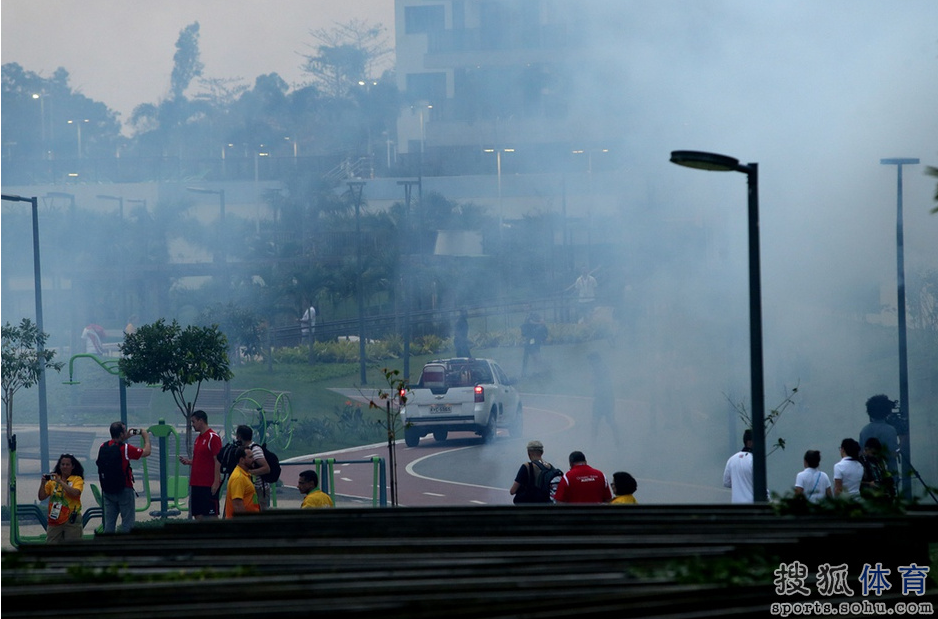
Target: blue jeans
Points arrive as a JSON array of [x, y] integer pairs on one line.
[[123, 503]]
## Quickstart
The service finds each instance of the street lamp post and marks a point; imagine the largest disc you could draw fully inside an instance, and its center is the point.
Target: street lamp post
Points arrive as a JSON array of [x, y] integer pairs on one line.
[[355, 188], [408, 251], [722, 163], [221, 255], [37, 274], [903, 351], [498, 172], [77, 124], [120, 212], [42, 120]]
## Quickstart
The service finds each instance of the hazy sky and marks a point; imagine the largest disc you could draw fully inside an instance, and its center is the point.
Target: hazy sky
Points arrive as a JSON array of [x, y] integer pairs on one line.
[[121, 51]]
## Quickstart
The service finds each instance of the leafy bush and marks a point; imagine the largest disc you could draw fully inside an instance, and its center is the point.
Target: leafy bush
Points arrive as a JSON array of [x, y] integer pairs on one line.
[[429, 345]]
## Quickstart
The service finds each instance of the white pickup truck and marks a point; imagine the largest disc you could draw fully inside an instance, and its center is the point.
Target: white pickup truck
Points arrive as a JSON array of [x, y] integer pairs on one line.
[[461, 394]]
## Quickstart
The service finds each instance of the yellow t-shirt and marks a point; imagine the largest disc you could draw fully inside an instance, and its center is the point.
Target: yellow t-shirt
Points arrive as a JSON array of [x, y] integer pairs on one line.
[[317, 498], [624, 499], [240, 486], [61, 506]]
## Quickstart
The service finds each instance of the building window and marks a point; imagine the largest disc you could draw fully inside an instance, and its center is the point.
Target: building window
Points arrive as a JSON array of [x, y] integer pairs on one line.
[[423, 19], [430, 87]]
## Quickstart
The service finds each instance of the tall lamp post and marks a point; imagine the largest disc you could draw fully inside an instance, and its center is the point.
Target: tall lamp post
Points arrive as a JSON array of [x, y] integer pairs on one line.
[[37, 274], [355, 188], [221, 255], [77, 124], [903, 352], [408, 287], [722, 163], [120, 212]]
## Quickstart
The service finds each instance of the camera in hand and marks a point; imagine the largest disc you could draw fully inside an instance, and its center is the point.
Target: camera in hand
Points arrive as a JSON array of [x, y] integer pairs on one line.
[[134, 431], [48, 476]]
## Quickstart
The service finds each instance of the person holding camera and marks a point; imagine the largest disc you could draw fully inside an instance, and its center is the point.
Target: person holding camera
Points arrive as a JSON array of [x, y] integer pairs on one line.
[[879, 407], [117, 478], [63, 488]]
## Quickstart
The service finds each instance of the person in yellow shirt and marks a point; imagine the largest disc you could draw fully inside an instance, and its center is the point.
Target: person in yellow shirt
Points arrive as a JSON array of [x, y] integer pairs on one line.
[[63, 489], [241, 498], [624, 485], [308, 484]]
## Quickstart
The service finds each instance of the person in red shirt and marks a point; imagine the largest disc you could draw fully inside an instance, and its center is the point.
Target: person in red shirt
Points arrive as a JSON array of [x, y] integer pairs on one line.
[[205, 478], [582, 483]]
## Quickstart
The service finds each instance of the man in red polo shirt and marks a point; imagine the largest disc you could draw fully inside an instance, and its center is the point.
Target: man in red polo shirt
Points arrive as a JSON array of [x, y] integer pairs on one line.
[[205, 478], [582, 483]]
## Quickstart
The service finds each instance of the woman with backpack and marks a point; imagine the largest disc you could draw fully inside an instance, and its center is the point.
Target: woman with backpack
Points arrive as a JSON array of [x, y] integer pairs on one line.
[[535, 479]]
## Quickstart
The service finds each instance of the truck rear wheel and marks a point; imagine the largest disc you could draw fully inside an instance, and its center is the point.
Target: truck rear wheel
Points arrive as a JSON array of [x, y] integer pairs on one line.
[[440, 435], [488, 433], [411, 437]]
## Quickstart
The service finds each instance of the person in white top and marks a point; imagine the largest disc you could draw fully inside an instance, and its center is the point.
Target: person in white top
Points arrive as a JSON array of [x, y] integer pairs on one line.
[[308, 322], [812, 483], [848, 473], [738, 472]]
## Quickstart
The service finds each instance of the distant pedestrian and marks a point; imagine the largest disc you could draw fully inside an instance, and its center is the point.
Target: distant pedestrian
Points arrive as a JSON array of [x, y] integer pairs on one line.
[[879, 407], [117, 477], [582, 483], [93, 337], [240, 498], [525, 488], [205, 474], [624, 487], [534, 334], [604, 397], [308, 323], [308, 485], [63, 489], [461, 335], [814, 484], [848, 473], [585, 286], [737, 475]]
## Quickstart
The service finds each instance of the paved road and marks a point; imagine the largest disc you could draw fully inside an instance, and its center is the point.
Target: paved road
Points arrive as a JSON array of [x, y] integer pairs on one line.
[[463, 470]]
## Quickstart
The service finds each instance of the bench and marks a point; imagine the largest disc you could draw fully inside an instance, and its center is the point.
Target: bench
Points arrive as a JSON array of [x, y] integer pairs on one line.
[[91, 404], [75, 442]]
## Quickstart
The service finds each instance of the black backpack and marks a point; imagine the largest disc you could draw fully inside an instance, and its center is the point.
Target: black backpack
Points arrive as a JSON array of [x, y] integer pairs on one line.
[[546, 479], [227, 458], [274, 463], [111, 468]]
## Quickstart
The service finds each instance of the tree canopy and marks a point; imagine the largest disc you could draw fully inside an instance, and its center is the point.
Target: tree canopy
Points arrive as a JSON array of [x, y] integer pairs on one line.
[[175, 358], [23, 363]]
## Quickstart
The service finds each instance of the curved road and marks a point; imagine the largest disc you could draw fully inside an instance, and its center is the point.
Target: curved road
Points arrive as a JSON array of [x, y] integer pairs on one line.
[[463, 470]]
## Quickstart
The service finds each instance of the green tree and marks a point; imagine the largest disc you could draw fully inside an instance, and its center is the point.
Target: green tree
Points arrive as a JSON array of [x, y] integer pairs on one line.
[[35, 114], [175, 358], [23, 364], [346, 54], [186, 63]]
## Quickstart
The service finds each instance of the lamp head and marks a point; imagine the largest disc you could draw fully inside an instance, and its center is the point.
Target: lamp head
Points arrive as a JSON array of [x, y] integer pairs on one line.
[[704, 161]]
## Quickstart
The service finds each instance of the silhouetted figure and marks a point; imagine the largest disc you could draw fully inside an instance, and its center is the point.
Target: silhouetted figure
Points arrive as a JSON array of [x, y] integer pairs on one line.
[[461, 335], [878, 408], [534, 333]]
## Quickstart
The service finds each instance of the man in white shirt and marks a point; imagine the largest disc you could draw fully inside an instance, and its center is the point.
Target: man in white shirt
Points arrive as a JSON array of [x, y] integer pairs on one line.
[[308, 322], [738, 472]]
